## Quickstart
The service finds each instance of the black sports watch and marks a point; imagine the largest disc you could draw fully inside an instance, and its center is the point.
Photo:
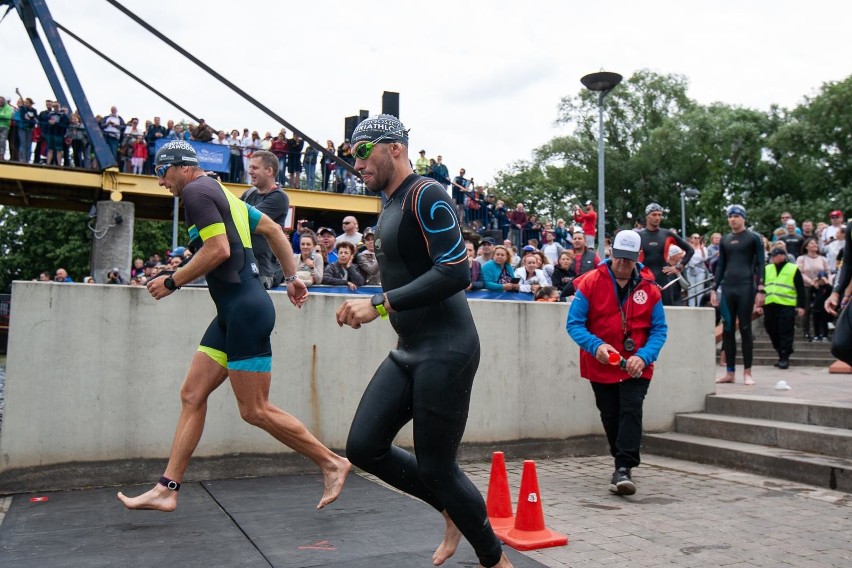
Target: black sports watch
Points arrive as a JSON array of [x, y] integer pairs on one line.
[[378, 302], [169, 283]]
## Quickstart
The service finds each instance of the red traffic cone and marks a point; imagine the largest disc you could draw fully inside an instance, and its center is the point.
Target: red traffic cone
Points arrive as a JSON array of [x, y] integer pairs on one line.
[[499, 501], [529, 532]]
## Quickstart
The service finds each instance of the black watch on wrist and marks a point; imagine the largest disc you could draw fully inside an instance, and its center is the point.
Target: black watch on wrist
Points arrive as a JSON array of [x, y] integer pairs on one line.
[[378, 303], [169, 283]]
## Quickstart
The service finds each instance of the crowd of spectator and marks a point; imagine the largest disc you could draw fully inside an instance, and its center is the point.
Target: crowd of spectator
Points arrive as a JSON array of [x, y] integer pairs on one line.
[[552, 256], [141, 271], [510, 248], [57, 136]]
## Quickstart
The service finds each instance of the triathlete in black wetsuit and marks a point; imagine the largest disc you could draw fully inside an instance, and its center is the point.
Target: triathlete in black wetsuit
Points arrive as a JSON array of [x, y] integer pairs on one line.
[[428, 377], [655, 242], [236, 344], [740, 275]]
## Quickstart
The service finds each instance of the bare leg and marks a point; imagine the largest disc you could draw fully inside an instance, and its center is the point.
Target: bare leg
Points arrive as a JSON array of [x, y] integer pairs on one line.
[[749, 381], [204, 376], [252, 392], [452, 537]]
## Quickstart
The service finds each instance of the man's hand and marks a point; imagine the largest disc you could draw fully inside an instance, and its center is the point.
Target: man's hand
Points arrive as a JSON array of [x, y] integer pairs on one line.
[[603, 351], [157, 288], [356, 312], [297, 292], [714, 299], [831, 303], [800, 312], [760, 299], [635, 366], [670, 270]]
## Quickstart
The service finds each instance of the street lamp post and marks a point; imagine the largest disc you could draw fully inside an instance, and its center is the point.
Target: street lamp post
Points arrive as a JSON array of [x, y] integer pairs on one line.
[[684, 193], [602, 83]]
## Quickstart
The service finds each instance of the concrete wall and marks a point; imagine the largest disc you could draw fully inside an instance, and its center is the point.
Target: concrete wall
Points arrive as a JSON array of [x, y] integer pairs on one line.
[[93, 375]]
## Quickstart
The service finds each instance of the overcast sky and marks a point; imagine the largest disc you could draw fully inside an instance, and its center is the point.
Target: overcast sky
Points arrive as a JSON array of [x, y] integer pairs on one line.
[[479, 81]]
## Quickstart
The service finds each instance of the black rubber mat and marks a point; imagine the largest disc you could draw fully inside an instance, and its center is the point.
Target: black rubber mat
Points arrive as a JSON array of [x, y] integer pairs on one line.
[[258, 522]]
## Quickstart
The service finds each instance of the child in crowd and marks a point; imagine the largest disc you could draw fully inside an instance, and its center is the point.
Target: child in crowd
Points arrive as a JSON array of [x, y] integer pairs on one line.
[[821, 292], [140, 154], [547, 294]]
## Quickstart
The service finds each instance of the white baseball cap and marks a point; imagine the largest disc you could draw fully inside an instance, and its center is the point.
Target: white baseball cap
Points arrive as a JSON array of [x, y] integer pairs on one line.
[[627, 244]]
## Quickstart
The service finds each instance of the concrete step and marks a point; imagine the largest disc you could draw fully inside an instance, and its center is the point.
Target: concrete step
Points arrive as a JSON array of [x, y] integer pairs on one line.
[[810, 349], [795, 361], [825, 440], [802, 467], [797, 411]]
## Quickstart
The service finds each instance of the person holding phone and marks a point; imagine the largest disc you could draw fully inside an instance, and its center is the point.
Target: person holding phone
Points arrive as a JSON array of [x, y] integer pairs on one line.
[[309, 265], [497, 273]]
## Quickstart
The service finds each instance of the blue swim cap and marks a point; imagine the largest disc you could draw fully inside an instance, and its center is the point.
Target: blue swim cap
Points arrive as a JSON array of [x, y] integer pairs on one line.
[[737, 210]]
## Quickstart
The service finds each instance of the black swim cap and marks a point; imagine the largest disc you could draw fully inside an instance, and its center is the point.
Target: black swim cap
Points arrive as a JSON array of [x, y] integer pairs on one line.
[[385, 126], [176, 152]]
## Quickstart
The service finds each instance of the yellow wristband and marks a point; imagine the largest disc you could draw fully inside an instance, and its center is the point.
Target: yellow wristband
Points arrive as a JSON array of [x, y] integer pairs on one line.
[[382, 311]]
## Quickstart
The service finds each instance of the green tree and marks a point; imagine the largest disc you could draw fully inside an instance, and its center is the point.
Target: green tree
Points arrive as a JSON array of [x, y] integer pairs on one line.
[[37, 240], [810, 153], [641, 165], [659, 141]]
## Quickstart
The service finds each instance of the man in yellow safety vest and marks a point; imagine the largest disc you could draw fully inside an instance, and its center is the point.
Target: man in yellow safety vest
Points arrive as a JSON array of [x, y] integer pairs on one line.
[[785, 299]]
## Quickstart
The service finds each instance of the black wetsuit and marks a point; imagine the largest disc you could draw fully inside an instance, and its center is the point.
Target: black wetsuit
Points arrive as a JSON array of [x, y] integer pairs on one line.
[[842, 280], [654, 258], [238, 337], [741, 268], [428, 377]]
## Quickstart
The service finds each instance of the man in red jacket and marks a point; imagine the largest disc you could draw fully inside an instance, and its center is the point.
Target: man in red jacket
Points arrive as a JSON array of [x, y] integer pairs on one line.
[[589, 221], [618, 321]]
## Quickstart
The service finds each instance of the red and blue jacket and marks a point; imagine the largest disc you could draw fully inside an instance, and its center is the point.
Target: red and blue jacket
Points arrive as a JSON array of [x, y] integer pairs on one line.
[[594, 319]]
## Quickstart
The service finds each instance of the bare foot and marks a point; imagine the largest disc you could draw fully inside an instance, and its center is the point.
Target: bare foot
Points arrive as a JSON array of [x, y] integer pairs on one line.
[[504, 563], [748, 380], [334, 478], [728, 378], [452, 537], [160, 498]]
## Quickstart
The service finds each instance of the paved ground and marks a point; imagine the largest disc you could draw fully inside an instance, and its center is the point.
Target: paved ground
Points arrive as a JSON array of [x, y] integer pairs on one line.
[[810, 383], [684, 514]]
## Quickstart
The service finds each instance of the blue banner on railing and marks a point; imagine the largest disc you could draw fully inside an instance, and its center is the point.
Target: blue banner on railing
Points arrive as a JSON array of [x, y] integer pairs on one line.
[[370, 290], [213, 157]]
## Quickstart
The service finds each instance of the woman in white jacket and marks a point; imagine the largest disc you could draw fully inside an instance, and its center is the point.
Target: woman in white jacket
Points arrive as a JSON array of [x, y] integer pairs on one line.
[[697, 271], [532, 277]]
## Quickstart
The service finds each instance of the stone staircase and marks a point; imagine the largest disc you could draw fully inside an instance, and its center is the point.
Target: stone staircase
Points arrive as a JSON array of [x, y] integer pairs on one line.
[[805, 353], [803, 441]]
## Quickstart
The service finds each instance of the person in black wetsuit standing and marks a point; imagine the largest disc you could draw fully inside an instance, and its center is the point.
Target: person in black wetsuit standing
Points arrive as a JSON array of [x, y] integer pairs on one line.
[[739, 274], [655, 245], [428, 377]]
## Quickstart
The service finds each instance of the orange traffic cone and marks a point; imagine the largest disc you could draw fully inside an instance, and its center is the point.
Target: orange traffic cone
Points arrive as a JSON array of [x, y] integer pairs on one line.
[[499, 501], [529, 532]]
